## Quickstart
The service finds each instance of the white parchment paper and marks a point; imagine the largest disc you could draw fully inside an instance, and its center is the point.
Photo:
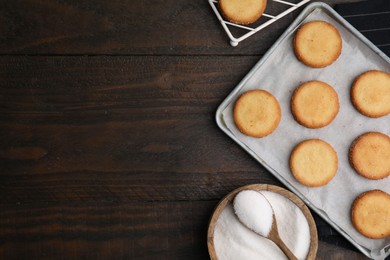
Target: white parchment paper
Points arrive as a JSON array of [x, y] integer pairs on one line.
[[280, 74]]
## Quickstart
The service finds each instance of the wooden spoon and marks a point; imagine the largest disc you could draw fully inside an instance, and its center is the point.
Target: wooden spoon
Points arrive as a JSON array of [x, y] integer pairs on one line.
[[228, 199], [274, 236], [256, 213]]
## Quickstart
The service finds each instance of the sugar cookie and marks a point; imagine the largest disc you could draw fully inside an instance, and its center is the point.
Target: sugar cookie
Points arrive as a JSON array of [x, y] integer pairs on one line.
[[369, 155], [370, 214], [370, 93], [314, 104], [242, 11], [313, 163], [317, 44], [257, 113]]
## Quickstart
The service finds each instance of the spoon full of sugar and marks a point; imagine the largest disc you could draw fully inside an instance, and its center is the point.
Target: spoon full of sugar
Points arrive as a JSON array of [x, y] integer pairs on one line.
[[256, 213]]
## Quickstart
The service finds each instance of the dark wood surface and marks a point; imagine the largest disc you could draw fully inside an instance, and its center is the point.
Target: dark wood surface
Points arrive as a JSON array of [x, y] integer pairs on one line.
[[108, 144]]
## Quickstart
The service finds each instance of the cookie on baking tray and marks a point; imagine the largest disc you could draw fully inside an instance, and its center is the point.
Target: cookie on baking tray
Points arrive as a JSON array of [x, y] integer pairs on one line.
[[370, 214], [257, 113], [369, 155], [313, 163], [317, 44], [370, 93], [314, 104], [242, 11]]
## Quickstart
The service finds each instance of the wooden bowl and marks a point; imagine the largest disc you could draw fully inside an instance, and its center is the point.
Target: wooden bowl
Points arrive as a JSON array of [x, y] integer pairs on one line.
[[263, 187]]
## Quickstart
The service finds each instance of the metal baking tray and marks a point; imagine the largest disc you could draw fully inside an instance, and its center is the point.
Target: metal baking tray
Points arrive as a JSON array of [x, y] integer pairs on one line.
[[257, 73]]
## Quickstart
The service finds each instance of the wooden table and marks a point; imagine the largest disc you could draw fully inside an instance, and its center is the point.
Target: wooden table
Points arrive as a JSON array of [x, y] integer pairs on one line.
[[108, 144]]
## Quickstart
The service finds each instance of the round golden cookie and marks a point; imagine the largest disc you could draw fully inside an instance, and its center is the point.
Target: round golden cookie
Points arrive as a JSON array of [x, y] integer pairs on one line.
[[313, 163], [317, 44], [257, 113], [370, 214], [369, 155], [370, 93], [242, 11], [314, 104]]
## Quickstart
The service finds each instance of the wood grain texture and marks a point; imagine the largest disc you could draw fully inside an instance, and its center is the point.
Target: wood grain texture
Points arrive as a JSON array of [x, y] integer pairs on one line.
[[134, 230], [108, 143], [128, 27], [94, 139]]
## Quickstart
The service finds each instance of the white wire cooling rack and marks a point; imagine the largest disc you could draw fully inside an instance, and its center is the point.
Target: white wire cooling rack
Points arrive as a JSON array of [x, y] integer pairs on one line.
[[241, 32]]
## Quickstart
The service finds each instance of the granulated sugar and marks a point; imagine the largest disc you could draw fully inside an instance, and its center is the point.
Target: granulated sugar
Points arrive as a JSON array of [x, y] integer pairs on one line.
[[292, 224], [232, 240], [254, 211]]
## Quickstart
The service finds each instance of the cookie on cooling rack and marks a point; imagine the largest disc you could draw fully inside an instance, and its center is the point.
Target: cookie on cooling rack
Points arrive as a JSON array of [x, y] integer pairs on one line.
[[370, 214], [314, 104], [242, 11], [257, 113], [313, 163], [369, 155], [317, 44], [370, 93]]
